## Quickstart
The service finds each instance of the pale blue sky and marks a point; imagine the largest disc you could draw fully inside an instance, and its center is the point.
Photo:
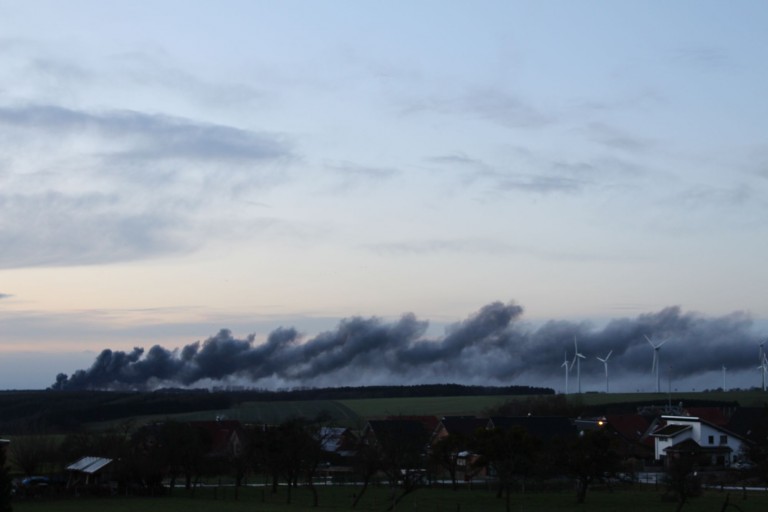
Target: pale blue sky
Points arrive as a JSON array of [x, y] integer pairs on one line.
[[170, 168]]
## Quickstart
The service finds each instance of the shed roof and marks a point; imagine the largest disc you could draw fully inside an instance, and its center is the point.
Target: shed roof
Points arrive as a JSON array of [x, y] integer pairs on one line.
[[89, 465]]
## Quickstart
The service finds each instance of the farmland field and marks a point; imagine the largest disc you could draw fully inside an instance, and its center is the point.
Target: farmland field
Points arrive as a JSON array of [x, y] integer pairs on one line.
[[349, 413], [433, 406], [353, 412]]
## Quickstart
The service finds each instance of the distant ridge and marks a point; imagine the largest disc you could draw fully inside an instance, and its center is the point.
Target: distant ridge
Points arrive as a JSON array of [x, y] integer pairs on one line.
[[64, 410], [362, 392]]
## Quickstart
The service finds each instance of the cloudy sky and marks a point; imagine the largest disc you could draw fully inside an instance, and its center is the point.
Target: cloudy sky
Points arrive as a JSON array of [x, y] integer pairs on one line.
[[172, 168]]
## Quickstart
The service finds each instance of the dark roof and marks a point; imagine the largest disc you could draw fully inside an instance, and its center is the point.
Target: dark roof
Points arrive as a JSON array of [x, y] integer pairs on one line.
[[687, 445], [671, 430], [463, 425], [713, 415], [429, 422], [750, 423], [629, 426], [407, 432], [542, 427]]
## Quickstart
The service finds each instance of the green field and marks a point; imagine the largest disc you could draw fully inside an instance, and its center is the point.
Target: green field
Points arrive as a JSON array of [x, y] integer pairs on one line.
[[353, 413], [379, 499], [348, 413], [432, 406]]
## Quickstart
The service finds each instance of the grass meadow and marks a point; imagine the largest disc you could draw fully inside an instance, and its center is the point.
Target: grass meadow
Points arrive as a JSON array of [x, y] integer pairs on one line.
[[338, 498]]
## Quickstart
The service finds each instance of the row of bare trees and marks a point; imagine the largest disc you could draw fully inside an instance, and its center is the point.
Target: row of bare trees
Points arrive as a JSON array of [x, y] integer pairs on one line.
[[163, 456]]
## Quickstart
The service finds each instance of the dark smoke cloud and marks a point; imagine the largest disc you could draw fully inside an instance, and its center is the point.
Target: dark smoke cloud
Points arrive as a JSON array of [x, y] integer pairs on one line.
[[492, 346]]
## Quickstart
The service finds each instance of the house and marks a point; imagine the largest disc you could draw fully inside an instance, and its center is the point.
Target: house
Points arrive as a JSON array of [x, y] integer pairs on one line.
[[226, 437], [633, 432], [338, 441], [717, 447], [409, 434], [464, 428]]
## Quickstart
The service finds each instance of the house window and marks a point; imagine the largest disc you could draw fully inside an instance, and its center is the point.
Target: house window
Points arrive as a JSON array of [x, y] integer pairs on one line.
[[711, 439], [723, 439]]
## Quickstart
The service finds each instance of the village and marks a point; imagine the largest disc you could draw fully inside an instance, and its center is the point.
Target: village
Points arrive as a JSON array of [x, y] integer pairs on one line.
[[679, 449]]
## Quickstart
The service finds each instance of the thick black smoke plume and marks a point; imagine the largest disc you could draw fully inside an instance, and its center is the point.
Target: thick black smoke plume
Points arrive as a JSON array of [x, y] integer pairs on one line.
[[491, 346]]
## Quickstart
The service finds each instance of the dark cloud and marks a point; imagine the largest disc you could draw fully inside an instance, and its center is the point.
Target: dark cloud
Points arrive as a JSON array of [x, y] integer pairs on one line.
[[5, 296], [492, 346]]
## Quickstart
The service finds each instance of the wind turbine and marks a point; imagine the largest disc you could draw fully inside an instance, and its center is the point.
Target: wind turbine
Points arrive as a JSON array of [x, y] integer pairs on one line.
[[577, 361], [605, 363], [764, 368], [724, 368], [565, 365], [656, 361]]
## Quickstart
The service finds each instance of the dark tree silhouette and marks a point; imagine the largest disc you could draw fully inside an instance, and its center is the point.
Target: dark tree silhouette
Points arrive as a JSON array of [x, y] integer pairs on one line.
[[5, 482], [681, 476], [591, 457], [445, 454], [401, 445], [507, 452]]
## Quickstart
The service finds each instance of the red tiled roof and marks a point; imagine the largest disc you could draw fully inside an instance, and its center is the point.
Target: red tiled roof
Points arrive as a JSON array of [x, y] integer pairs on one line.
[[713, 415], [630, 426]]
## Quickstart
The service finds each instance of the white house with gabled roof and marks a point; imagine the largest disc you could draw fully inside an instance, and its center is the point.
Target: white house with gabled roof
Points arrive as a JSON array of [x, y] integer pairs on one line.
[[720, 446]]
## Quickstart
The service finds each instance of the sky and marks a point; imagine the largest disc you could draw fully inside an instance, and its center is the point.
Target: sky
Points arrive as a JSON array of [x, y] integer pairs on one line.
[[173, 172]]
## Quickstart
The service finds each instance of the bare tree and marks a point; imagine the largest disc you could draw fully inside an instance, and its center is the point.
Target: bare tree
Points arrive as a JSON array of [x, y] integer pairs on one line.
[[32, 451]]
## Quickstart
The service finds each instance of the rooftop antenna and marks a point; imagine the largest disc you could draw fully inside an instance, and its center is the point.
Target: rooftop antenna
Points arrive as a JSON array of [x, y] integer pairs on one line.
[[656, 366], [605, 363], [567, 369], [577, 361]]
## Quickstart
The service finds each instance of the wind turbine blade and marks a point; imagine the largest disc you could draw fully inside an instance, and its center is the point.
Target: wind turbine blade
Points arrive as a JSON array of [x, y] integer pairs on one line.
[[581, 356], [609, 355], [601, 359], [662, 342], [649, 341]]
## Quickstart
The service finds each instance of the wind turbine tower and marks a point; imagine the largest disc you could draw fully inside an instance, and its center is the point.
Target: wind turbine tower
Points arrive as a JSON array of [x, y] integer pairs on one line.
[[763, 364], [656, 366], [577, 361], [724, 368], [605, 363], [567, 369]]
